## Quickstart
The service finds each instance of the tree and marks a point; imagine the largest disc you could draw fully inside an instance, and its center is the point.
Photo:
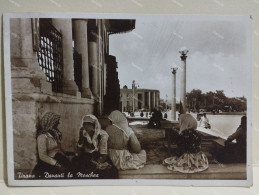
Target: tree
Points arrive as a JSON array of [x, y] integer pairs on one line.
[[210, 98], [215, 101], [194, 99], [213, 108], [237, 104], [220, 99]]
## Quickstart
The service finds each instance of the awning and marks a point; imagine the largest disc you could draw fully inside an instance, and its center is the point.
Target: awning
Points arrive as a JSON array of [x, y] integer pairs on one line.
[[120, 26]]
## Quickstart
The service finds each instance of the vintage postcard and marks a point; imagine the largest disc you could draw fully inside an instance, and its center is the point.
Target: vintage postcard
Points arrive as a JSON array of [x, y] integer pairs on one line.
[[124, 99]]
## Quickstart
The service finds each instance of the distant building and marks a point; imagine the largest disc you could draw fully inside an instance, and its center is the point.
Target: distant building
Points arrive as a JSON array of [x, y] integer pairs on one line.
[[163, 103], [146, 99]]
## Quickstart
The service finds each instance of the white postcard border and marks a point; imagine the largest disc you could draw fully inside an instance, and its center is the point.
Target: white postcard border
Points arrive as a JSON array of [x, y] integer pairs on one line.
[[143, 182]]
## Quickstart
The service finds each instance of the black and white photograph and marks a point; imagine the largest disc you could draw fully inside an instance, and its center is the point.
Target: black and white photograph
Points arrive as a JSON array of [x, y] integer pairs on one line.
[[124, 99]]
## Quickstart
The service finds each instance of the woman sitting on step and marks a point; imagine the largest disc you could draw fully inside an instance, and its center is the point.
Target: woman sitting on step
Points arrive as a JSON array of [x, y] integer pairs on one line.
[[190, 158], [234, 152], [124, 147], [92, 154], [52, 159]]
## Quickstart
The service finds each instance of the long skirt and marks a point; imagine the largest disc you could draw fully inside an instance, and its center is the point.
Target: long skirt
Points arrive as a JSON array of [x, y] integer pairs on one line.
[[187, 162], [85, 167], [44, 170], [123, 159]]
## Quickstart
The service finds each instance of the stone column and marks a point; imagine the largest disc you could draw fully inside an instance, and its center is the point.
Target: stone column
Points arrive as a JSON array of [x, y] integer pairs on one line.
[[27, 76], [157, 99], [136, 101], [81, 46], [100, 65], [93, 57], [143, 100], [173, 112], [154, 99], [65, 26], [149, 101], [183, 80]]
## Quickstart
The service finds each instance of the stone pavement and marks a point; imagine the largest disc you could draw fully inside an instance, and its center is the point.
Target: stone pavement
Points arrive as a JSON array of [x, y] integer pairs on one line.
[[215, 171]]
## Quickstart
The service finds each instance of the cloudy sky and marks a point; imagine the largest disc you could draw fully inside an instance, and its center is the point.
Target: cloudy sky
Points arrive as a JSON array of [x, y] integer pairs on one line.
[[218, 57]]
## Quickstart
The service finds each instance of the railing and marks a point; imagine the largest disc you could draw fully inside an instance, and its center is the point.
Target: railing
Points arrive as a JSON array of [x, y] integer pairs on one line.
[[50, 55]]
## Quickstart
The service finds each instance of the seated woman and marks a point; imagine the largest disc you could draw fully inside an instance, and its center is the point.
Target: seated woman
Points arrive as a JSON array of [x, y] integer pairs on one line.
[[51, 157], [204, 121], [235, 152], [124, 147], [155, 120], [239, 135], [92, 151], [190, 158]]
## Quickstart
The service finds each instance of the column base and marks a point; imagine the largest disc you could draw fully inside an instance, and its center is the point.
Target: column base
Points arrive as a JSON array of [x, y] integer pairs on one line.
[[70, 87], [86, 93], [96, 98], [97, 105], [26, 68], [31, 85]]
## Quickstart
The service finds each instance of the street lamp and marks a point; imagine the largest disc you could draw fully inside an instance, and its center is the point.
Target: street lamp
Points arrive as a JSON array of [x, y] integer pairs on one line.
[[183, 91], [173, 114], [166, 102], [133, 94]]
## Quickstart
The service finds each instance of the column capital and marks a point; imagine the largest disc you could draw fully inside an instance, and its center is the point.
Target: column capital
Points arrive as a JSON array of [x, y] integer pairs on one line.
[[86, 93], [80, 19], [174, 70], [183, 57]]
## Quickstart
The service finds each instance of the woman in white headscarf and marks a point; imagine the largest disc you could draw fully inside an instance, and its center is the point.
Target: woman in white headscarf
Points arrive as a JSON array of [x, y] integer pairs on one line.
[[92, 154], [190, 158], [124, 148]]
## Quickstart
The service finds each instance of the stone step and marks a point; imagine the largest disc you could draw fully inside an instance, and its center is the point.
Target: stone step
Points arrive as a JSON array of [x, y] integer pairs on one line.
[[215, 171]]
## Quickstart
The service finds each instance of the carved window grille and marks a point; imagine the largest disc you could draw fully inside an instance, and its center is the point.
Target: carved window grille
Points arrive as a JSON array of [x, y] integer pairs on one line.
[[50, 54]]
